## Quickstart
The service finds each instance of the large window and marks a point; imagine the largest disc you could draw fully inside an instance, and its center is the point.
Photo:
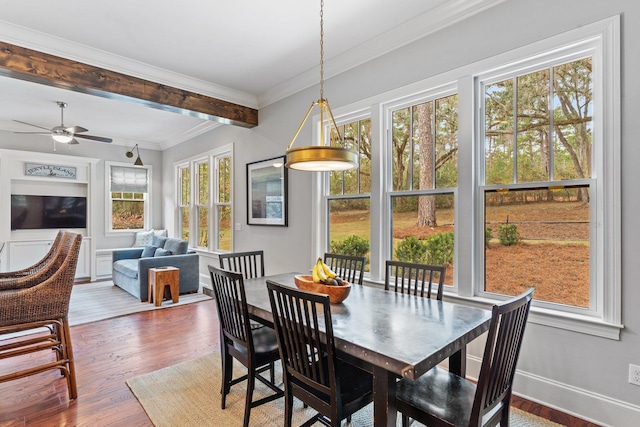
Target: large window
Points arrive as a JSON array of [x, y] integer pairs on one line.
[[424, 171], [128, 197], [204, 201], [538, 182], [506, 171], [349, 194]]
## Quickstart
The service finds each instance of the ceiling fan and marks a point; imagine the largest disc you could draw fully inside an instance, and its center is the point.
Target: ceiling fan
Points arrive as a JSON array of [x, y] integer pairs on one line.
[[66, 135]]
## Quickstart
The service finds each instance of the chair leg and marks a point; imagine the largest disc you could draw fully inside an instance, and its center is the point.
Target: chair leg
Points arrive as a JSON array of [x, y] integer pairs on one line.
[[251, 380], [227, 371], [68, 355], [288, 409], [272, 371]]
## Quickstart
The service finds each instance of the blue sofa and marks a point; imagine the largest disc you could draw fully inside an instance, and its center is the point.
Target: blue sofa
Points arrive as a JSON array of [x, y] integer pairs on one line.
[[131, 266]]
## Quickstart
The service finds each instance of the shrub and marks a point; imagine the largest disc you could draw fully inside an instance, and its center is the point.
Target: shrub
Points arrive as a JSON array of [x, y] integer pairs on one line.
[[411, 249], [439, 249], [508, 234], [352, 245], [488, 235]]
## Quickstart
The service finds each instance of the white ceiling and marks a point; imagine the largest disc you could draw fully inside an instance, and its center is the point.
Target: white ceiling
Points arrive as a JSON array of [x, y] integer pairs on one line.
[[251, 52]]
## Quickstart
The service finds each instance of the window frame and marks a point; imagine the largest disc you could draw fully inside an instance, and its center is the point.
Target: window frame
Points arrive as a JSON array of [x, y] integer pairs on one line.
[[602, 36], [109, 201], [210, 158]]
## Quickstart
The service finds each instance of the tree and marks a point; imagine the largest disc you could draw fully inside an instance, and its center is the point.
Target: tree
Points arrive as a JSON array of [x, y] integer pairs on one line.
[[426, 204]]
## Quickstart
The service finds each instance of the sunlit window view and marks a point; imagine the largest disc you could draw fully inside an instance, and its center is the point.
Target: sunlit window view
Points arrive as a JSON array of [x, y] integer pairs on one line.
[[223, 204], [424, 155], [538, 156], [349, 198], [128, 191], [184, 205]]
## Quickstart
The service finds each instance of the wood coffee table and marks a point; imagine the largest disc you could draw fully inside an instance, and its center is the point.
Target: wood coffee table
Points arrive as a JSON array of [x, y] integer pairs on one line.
[[159, 279]]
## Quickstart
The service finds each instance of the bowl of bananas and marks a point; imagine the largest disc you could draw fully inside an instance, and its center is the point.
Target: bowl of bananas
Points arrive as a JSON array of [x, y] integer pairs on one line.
[[324, 281]]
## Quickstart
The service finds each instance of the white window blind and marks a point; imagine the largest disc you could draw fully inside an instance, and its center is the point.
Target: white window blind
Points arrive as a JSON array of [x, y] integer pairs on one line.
[[130, 180]]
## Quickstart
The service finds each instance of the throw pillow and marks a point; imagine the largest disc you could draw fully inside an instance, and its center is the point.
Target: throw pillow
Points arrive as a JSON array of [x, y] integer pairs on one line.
[[158, 241], [143, 238], [148, 251], [162, 252], [160, 233], [176, 246]]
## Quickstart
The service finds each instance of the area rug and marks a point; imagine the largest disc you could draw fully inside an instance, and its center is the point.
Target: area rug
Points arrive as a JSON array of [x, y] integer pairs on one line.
[[91, 302], [188, 395]]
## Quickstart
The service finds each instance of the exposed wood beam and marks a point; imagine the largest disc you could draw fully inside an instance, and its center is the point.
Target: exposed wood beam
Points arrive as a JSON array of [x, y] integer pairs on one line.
[[30, 65]]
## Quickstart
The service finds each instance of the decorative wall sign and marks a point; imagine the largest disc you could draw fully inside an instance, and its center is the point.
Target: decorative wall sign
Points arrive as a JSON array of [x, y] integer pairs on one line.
[[54, 171], [267, 192]]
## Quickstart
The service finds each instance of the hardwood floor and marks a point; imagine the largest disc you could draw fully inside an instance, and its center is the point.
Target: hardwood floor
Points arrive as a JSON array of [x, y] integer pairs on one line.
[[109, 352]]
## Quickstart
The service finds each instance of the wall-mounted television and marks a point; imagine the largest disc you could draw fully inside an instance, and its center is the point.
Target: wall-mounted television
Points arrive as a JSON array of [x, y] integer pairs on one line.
[[30, 212]]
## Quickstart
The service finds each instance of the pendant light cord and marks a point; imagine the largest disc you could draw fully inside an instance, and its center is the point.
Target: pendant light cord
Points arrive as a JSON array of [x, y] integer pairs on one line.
[[321, 49]]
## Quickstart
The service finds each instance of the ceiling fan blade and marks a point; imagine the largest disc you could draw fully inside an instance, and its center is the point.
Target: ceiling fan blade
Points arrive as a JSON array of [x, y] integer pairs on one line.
[[29, 124], [77, 129], [35, 133], [73, 142], [95, 138]]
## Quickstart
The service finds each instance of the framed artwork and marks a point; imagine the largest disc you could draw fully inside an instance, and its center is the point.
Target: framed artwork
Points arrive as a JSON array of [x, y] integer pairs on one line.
[[267, 192]]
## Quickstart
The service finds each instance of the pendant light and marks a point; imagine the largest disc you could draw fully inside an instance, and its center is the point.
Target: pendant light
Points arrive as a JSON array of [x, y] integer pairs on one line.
[[321, 158]]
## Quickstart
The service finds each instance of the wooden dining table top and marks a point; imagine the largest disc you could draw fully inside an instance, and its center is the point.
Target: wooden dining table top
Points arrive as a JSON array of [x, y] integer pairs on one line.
[[404, 334]]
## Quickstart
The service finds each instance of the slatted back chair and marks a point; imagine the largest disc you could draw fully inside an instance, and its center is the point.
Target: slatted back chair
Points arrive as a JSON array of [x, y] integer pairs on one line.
[[440, 398], [311, 371], [414, 279], [37, 272], [44, 306], [347, 267], [256, 349], [250, 264]]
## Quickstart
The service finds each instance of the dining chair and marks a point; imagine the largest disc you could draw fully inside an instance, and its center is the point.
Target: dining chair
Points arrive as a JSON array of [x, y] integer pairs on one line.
[[440, 398], [311, 370], [256, 349], [250, 264], [39, 314], [415, 279], [347, 267]]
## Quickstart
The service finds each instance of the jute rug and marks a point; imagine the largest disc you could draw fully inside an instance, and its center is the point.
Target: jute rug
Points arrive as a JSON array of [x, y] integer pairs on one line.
[[91, 302], [188, 395]]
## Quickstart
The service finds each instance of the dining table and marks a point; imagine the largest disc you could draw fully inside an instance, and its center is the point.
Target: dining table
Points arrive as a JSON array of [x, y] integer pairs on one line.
[[391, 335]]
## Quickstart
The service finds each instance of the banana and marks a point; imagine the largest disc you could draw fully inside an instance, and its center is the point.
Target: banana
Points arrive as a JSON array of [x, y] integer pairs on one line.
[[314, 273], [321, 273], [327, 270]]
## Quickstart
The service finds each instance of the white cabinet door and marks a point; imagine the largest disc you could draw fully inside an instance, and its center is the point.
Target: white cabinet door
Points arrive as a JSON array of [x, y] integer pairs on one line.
[[23, 254]]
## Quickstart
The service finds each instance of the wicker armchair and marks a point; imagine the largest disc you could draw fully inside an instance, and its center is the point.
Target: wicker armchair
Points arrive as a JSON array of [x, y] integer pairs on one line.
[[42, 307], [37, 273]]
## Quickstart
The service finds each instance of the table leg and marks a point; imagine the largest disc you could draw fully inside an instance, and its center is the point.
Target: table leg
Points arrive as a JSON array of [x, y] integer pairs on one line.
[[458, 362], [384, 398]]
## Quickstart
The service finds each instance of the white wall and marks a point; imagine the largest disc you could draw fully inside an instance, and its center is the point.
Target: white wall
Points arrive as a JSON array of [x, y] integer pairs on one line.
[[577, 373]]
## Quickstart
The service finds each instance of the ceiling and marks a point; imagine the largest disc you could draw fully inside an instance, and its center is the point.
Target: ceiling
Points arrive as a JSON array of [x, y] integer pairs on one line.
[[250, 52]]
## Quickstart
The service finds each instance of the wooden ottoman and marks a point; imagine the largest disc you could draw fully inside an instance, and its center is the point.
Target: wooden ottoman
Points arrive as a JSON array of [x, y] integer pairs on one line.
[[159, 279]]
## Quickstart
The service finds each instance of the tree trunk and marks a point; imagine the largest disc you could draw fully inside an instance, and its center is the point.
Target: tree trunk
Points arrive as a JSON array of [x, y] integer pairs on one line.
[[426, 204]]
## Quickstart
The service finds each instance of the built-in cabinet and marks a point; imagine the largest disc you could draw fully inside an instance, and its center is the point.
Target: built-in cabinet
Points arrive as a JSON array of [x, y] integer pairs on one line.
[[24, 253], [44, 174]]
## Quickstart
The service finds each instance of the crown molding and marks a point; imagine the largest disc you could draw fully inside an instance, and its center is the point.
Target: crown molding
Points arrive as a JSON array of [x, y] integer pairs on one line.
[[421, 26]]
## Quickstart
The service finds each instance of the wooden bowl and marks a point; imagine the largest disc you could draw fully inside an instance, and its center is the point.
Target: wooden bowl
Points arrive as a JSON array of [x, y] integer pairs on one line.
[[337, 294]]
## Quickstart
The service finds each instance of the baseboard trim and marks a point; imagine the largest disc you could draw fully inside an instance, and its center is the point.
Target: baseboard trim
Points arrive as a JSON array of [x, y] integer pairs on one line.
[[593, 407]]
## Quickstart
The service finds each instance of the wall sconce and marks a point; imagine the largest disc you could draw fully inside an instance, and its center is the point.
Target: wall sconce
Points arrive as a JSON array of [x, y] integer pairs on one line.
[[129, 154]]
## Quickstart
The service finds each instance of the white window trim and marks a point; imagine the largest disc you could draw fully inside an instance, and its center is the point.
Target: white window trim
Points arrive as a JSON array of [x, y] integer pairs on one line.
[[108, 214], [606, 34], [209, 157]]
